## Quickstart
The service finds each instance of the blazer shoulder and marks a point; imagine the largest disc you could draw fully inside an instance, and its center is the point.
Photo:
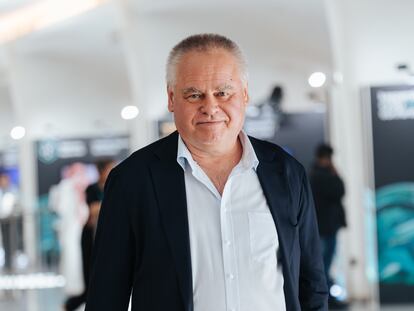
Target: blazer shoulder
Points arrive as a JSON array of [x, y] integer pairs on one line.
[[273, 152], [140, 159]]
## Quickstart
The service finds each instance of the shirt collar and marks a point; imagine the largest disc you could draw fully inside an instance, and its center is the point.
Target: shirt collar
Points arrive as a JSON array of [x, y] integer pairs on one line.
[[249, 159], [184, 156]]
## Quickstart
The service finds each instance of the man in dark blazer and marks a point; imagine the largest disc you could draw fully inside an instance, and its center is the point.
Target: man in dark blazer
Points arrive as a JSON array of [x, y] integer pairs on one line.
[[184, 224]]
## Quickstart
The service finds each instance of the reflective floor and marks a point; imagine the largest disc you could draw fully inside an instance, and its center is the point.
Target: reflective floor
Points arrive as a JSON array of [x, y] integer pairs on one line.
[[52, 299], [32, 300]]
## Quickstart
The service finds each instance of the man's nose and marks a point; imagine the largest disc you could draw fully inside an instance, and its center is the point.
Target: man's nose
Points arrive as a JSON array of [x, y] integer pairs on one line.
[[210, 105]]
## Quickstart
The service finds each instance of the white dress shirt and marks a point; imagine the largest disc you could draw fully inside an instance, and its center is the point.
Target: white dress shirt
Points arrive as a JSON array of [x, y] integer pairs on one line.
[[233, 238]]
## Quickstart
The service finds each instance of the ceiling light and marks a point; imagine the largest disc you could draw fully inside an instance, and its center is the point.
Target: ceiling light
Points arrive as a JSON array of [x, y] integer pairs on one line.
[[317, 79], [18, 132], [129, 112]]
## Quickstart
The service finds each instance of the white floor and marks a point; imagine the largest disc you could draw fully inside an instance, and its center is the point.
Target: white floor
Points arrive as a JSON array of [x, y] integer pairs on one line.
[[32, 300], [52, 300]]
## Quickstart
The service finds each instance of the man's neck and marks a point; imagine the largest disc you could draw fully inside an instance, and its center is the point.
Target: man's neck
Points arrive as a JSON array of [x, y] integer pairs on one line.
[[217, 156], [101, 183], [218, 164]]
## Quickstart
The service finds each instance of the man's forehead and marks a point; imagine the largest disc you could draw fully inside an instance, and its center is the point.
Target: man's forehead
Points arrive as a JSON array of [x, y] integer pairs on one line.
[[212, 79], [211, 69]]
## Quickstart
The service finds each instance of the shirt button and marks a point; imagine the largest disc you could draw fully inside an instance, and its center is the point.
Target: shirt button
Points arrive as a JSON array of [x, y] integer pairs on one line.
[[230, 276], [228, 243]]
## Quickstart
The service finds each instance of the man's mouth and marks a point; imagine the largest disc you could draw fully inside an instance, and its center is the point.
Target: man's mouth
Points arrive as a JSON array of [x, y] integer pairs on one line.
[[209, 122]]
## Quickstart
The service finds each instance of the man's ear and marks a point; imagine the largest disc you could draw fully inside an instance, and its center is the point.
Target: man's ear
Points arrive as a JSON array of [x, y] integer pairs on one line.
[[246, 96], [170, 99]]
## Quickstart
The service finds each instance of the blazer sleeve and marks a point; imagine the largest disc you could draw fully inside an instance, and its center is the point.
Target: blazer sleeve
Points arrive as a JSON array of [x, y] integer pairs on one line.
[[113, 253], [313, 292]]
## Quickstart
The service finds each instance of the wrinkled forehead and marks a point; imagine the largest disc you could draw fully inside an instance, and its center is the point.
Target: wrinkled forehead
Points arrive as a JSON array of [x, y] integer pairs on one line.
[[214, 66]]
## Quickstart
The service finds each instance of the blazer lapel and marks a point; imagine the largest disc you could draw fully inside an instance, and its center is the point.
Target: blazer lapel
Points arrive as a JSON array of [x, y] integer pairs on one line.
[[271, 173], [276, 191], [168, 178]]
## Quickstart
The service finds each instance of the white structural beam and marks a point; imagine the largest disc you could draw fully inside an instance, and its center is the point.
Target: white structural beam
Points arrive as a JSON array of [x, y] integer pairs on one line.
[[369, 38], [26, 162], [132, 33]]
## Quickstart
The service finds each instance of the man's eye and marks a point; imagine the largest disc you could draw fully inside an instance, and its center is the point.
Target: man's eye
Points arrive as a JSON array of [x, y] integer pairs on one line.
[[222, 94], [194, 96]]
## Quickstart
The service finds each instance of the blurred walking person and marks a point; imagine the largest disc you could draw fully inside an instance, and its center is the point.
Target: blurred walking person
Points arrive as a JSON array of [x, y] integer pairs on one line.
[[8, 201], [328, 190], [94, 196]]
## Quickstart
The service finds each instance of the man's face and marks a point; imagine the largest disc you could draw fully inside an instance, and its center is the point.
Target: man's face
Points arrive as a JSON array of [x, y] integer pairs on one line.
[[4, 181], [325, 161], [208, 99]]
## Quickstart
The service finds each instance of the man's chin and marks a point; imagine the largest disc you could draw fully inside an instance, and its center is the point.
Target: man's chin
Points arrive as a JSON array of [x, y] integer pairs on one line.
[[214, 142]]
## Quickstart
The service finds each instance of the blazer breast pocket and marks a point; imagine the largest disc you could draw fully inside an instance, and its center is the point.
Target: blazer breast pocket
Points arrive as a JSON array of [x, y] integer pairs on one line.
[[263, 236]]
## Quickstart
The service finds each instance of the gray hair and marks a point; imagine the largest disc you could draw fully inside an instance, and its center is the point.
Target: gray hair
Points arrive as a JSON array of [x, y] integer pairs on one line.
[[203, 43]]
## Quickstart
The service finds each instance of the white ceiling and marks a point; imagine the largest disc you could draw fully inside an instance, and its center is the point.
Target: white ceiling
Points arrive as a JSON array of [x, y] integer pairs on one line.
[[9, 5], [287, 25], [91, 35], [282, 25], [296, 29]]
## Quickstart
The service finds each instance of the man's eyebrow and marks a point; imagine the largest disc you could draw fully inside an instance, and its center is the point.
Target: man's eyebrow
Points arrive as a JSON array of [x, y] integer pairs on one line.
[[224, 87], [190, 90]]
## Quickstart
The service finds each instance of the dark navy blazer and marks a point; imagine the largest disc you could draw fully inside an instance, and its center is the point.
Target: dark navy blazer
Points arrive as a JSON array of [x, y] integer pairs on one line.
[[143, 245]]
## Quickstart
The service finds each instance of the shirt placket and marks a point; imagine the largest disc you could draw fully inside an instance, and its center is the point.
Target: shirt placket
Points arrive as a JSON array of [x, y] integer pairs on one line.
[[228, 246]]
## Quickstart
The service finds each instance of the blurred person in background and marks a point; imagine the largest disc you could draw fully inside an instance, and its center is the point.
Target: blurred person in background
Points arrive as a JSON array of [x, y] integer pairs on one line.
[[67, 199], [207, 218], [94, 196], [328, 190], [8, 202]]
